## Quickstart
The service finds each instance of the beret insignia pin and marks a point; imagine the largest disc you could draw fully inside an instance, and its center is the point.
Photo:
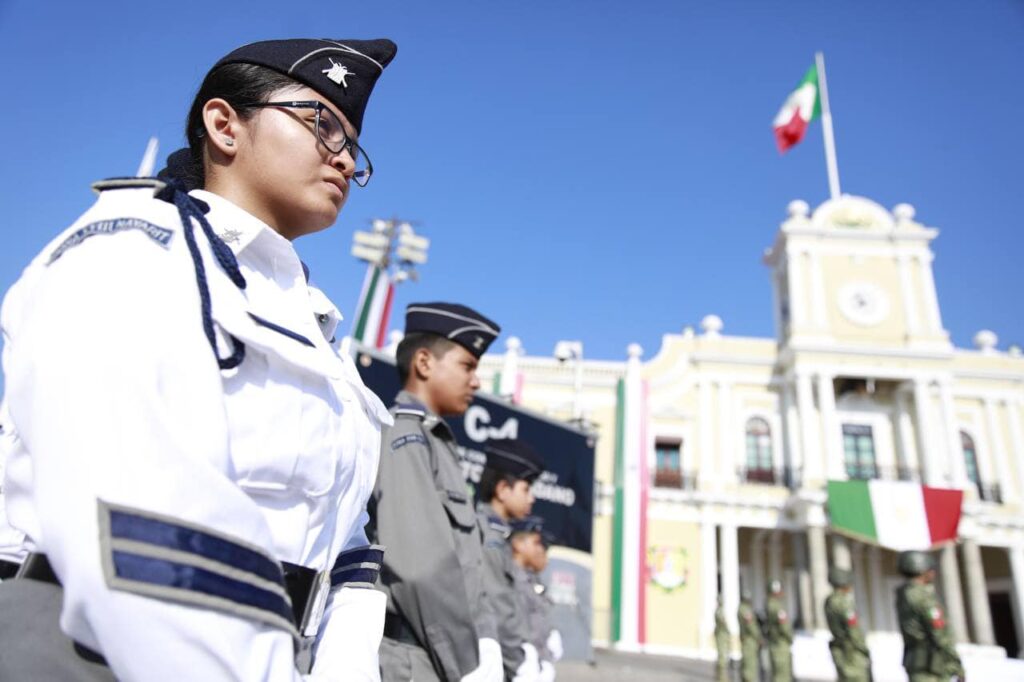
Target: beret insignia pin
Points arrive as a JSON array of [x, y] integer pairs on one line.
[[337, 73], [478, 343]]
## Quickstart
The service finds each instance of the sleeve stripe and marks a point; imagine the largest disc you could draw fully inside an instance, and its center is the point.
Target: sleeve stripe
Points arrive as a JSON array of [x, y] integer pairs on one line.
[[372, 553], [192, 585], [166, 558], [358, 567], [149, 530], [355, 575]]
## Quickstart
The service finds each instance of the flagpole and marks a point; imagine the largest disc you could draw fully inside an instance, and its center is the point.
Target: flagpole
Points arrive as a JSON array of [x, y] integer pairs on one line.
[[826, 126]]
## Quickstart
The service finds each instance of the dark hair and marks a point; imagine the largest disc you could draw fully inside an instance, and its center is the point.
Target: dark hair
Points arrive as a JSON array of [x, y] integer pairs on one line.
[[407, 347], [240, 85], [489, 480]]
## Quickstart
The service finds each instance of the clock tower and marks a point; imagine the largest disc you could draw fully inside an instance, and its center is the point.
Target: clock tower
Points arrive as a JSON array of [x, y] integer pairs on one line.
[[853, 275]]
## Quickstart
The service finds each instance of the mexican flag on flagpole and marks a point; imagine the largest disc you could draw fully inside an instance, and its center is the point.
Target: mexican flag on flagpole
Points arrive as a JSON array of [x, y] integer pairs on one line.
[[801, 107], [374, 308], [898, 515]]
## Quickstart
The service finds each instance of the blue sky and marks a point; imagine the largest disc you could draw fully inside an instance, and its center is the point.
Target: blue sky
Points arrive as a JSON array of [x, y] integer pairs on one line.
[[585, 169]]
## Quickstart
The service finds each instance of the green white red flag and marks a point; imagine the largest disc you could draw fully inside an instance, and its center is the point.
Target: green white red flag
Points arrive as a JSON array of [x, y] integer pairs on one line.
[[801, 107], [898, 515], [374, 308]]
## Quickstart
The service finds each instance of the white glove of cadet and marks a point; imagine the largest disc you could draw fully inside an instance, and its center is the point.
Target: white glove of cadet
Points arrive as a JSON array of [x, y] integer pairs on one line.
[[491, 668], [547, 672], [529, 669], [554, 645]]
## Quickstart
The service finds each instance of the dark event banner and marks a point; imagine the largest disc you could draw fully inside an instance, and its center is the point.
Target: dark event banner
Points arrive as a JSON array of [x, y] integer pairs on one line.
[[564, 492]]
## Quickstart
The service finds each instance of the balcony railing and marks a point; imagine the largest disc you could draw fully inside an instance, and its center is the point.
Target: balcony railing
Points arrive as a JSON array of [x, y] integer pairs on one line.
[[675, 478], [886, 473], [990, 493], [784, 476]]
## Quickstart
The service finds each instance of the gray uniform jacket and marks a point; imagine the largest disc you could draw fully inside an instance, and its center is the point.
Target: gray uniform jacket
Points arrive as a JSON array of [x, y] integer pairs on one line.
[[538, 613], [421, 510], [502, 576]]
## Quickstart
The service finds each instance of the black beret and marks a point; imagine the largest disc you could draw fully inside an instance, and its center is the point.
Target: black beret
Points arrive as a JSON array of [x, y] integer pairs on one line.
[[342, 71], [514, 457], [455, 322]]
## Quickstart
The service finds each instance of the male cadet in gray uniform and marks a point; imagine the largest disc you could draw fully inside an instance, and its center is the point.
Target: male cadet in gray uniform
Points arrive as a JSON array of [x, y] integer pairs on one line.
[[439, 624], [503, 496], [529, 550]]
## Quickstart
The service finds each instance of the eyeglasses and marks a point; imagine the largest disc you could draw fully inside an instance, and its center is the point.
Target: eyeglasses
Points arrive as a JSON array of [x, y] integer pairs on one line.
[[331, 134]]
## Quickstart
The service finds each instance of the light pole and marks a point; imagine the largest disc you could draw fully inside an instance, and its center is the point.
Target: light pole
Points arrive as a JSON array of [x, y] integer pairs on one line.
[[391, 250], [573, 350]]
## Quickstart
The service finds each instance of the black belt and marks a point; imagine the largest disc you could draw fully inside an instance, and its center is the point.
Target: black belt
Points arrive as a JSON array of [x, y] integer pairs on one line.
[[8, 569], [308, 589], [396, 628]]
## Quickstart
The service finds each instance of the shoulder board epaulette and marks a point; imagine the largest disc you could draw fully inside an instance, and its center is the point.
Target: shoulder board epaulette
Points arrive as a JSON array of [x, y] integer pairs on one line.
[[409, 410], [128, 183]]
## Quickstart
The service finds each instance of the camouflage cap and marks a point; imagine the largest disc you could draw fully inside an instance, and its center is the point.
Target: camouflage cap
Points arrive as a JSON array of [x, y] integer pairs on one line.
[[914, 563], [838, 577]]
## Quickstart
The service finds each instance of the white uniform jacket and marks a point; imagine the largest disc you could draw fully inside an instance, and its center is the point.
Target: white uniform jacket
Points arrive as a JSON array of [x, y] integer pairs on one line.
[[164, 490]]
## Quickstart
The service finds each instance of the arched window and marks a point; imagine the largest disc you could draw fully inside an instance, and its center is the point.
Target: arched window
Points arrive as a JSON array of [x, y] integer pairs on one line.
[[759, 451]]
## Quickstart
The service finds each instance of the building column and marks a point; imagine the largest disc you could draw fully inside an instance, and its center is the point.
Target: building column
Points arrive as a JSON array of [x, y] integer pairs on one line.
[[818, 292], [949, 576], [726, 451], [879, 613], [977, 594], [757, 569], [730, 571], [812, 454], [706, 415], [793, 457], [797, 290], [803, 579], [841, 552], [709, 582], [1016, 454], [1016, 554], [957, 466], [830, 428], [775, 555], [922, 405], [907, 290], [860, 584], [931, 299], [905, 432], [819, 574], [997, 454]]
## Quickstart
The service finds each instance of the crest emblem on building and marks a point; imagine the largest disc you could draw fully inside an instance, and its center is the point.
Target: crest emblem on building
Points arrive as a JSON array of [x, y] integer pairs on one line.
[[667, 567]]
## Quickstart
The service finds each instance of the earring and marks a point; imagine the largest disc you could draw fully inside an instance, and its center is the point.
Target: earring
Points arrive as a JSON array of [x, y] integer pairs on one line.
[[228, 142]]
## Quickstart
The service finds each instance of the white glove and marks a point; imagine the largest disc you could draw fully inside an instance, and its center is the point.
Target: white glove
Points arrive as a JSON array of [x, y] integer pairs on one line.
[[547, 672], [554, 645], [529, 669], [491, 668]]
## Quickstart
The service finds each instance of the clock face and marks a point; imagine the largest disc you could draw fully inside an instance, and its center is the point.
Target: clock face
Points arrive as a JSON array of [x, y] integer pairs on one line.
[[863, 303]]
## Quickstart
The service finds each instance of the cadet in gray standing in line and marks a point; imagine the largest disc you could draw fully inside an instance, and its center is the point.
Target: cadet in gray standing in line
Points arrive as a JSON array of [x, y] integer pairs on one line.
[[504, 496], [439, 623], [529, 549]]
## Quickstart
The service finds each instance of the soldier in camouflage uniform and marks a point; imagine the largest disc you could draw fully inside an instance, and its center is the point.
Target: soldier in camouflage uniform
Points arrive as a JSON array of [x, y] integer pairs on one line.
[[928, 651], [722, 641], [778, 633], [750, 641], [848, 646]]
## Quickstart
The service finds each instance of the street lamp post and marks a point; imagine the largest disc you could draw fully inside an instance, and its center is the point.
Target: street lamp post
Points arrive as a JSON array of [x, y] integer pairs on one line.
[[391, 250], [573, 350]]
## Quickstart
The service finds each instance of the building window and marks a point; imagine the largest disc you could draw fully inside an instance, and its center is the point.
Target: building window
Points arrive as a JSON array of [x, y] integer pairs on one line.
[[859, 452], [668, 471], [970, 458], [759, 451]]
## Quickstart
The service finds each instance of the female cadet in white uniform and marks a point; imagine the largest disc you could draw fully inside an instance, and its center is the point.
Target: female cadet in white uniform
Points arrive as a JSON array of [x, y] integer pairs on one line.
[[182, 425]]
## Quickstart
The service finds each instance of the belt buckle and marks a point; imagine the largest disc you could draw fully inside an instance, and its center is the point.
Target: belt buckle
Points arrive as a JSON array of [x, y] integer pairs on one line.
[[320, 590]]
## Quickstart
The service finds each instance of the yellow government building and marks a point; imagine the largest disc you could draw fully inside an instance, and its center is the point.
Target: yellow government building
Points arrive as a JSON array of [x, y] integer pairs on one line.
[[724, 444]]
